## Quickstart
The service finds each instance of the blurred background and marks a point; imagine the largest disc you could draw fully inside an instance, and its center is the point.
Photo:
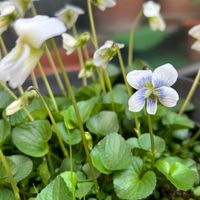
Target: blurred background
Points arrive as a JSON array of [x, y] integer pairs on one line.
[[155, 47]]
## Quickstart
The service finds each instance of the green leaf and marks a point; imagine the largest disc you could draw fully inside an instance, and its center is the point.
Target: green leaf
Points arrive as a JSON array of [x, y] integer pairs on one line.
[[86, 108], [134, 183], [73, 137], [6, 194], [5, 131], [32, 138], [103, 123], [21, 162], [6, 99], [181, 176], [176, 121], [113, 72], [83, 189], [111, 153], [59, 189], [145, 143]]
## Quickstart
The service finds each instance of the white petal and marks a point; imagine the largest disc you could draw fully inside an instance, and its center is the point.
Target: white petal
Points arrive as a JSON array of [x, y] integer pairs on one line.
[[99, 58], [38, 29], [7, 8], [152, 105], [196, 45], [157, 23], [151, 9], [103, 4], [195, 31], [168, 96], [69, 43], [137, 100], [107, 44], [69, 14], [14, 107], [139, 78], [165, 75]]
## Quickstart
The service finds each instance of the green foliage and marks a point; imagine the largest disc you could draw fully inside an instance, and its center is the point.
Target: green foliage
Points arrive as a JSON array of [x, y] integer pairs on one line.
[[135, 182], [111, 154], [5, 131], [31, 138], [6, 194]]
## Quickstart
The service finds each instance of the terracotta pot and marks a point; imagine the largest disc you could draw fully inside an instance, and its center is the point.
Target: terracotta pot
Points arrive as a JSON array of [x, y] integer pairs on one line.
[[117, 18]]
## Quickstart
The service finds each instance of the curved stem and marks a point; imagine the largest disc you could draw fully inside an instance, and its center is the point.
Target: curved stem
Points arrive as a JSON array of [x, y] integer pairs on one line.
[[131, 37], [191, 93], [109, 85], [3, 46], [73, 100], [151, 138], [91, 17], [121, 62], [48, 86], [9, 174], [58, 134], [34, 79]]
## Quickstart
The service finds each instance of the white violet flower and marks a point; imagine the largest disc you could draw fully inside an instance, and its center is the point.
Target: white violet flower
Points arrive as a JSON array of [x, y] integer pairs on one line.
[[195, 33], [103, 4], [105, 53], [16, 66], [151, 10], [69, 15], [153, 86], [70, 44]]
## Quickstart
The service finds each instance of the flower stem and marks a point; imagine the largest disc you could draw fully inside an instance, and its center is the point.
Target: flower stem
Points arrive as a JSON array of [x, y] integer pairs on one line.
[[58, 134], [15, 97], [9, 174], [80, 56], [91, 18], [53, 66], [3, 46], [191, 93], [121, 62], [50, 163], [109, 86], [151, 138], [131, 37], [73, 100], [48, 86]]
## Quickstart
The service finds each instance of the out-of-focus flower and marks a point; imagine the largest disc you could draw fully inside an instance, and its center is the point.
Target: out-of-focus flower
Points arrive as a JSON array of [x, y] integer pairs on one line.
[[88, 69], [152, 86], [70, 44], [16, 66], [18, 104], [103, 4], [105, 53], [151, 10], [69, 15], [195, 33]]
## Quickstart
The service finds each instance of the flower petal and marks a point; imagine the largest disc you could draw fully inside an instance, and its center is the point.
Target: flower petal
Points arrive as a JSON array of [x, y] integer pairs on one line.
[[165, 75], [151, 9], [103, 4], [139, 78], [68, 43], [38, 29], [196, 45], [195, 32], [168, 96], [137, 100], [152, 105], [157, 23]]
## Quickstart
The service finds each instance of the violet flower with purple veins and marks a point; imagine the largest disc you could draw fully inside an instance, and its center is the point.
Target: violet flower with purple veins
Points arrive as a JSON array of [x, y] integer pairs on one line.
[[153, 86]]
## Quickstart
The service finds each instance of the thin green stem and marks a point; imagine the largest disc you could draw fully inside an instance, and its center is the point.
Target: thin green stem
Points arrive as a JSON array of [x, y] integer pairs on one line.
[[131, 37], [191, 93], [50, 162], [91, 18], [21, 90], [47, 85], [15, 97], [189, 143], [80, 56], [122, 66], [56, 129], [153, 150], [34, 80], [109, 86], [9, 174], [3, 46], [73, 100], [55, 71]]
